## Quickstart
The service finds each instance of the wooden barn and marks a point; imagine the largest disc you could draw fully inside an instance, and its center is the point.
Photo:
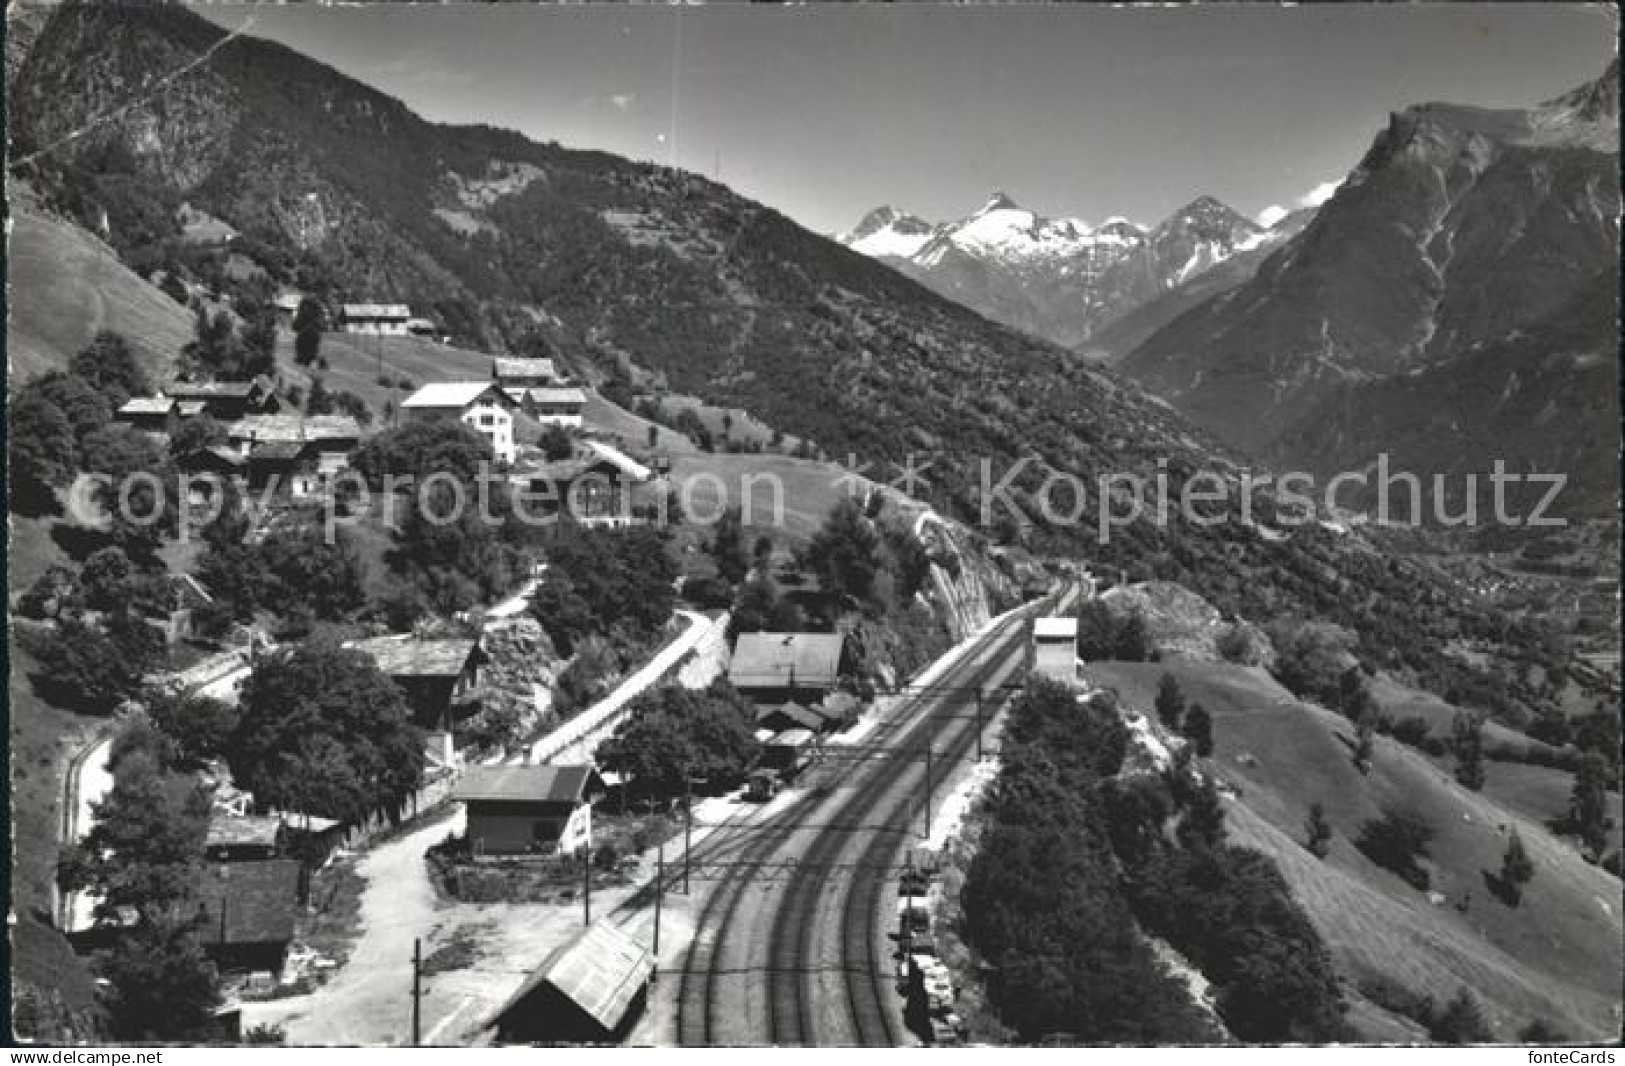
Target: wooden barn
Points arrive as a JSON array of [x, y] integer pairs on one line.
[[589, 991], [529, 810]]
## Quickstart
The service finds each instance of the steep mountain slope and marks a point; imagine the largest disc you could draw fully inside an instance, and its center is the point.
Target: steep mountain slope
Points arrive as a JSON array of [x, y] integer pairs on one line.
[[1062, 279], [1460, 227], [650, 273]]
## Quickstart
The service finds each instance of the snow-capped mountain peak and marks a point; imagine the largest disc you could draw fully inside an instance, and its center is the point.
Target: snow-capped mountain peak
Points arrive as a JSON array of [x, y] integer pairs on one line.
[[887, 233]]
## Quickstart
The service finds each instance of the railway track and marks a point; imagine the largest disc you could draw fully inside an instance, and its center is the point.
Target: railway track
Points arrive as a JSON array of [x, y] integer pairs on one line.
[[880, 808]]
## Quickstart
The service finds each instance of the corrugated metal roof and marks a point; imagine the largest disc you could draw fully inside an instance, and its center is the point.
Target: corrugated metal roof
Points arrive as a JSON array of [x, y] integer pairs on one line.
[[786, 660], [548, 783], [602, 972], [1055, 628], [458, 394]]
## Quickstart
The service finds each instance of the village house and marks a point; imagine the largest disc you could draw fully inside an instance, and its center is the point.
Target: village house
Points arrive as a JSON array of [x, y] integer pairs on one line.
[[529, 810], [247, 912], [480, 405], [242, 838], [228, 400], [517, 377], [151, 414], [594, 486], [557, 405], [286, 306], [292, 467], [589, 991], [439, 676], [326, 441], [786, 667], [377, 319]]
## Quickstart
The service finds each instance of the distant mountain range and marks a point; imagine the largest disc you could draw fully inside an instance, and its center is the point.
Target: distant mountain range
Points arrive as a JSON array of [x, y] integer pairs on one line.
[[1063, 279], [1455, 300]]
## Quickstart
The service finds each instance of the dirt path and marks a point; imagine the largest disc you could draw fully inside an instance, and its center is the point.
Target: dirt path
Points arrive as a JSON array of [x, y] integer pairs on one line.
[[369, 1001]]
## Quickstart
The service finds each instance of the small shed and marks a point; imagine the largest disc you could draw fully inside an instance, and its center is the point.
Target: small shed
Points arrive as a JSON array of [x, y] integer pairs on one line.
[[590, 991], [1055, 648], [529, 810], [789, 716]]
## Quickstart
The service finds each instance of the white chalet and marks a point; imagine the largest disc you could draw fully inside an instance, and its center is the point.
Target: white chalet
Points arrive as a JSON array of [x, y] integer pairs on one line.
[[481, 405]]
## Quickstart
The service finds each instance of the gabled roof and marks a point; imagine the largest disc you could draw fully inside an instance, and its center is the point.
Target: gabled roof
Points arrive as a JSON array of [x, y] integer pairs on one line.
[[353, 311], [247, 831], [622, 462], [792, 738], [278, 451], [786, 660], [148, 405], [288, 301], [211, 390], [453, 394], [503, 367], [558, 394], [409, 656], [601, 972], [804, 717], [525, 784], [254, 902], [191, 408], [294, 427]]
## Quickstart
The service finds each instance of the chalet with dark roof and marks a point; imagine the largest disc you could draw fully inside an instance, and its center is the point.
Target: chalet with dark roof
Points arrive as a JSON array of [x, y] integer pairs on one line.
[[589, 991], [247, 912], [787, 667], [518, 810]]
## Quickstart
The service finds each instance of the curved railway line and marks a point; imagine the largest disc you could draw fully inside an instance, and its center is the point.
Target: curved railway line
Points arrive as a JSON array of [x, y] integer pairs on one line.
[[862, 825]]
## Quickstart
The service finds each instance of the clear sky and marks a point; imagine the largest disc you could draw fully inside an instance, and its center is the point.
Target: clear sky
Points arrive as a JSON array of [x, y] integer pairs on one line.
[[826, 112]]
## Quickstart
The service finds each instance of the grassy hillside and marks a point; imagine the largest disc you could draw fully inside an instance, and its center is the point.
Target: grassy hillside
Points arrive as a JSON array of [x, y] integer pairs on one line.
[[1556, 956], [64, 285]]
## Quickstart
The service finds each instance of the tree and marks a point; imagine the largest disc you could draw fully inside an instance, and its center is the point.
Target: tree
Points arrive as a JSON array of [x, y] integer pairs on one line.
[[1467, 730], [557, 443], [419, 449], [194, 435], [1317, 832], [844, 553], [1199, 729], [307, 347], [1354, 699], [42, 453], [323, 730], [1203, 823], [1396, 841], [1133, 639], [164, 988], [217, 351], [1364, 744], [1516, 869], [760, 607], [1588, 804], [309, 316], [110, 367], [53, 594], [199, 726], [91, 669], [673, 734], [1170, 703], [1461, 1022], [85, 409], [318, 401], [728, 546], [106, 580], [136, 488]]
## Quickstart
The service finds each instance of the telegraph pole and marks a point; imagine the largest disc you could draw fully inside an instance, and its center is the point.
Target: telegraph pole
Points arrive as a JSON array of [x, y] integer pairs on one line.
[[688, 829], [417, 992], [660, 892], [586, 887], [978, 723], [928, 790]]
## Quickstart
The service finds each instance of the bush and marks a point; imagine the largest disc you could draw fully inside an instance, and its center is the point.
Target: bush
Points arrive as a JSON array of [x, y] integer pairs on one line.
[[1397, 841]]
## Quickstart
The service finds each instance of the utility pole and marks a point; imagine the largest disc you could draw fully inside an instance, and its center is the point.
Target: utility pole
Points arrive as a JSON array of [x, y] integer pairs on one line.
[[688, 829], [928, 790], [586, 887], [978, 723], [417, 992], [660, 892]]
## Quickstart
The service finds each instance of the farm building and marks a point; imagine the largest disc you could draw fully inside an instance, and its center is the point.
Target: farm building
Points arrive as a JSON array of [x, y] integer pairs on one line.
[[438, 675], [386, 319], [235, 838], [247, 912], [529, 810], [1055, 648], [480, 405], [594, 487], [153, 414], [286, 306], [786, 667], [518, 377], [330, 438], [293, 467], [229, 400], [789, 716], [589, 991], [557, 405]]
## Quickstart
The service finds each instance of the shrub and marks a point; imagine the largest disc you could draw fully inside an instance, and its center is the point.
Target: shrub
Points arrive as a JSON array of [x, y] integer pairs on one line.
[[1396, 841]]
